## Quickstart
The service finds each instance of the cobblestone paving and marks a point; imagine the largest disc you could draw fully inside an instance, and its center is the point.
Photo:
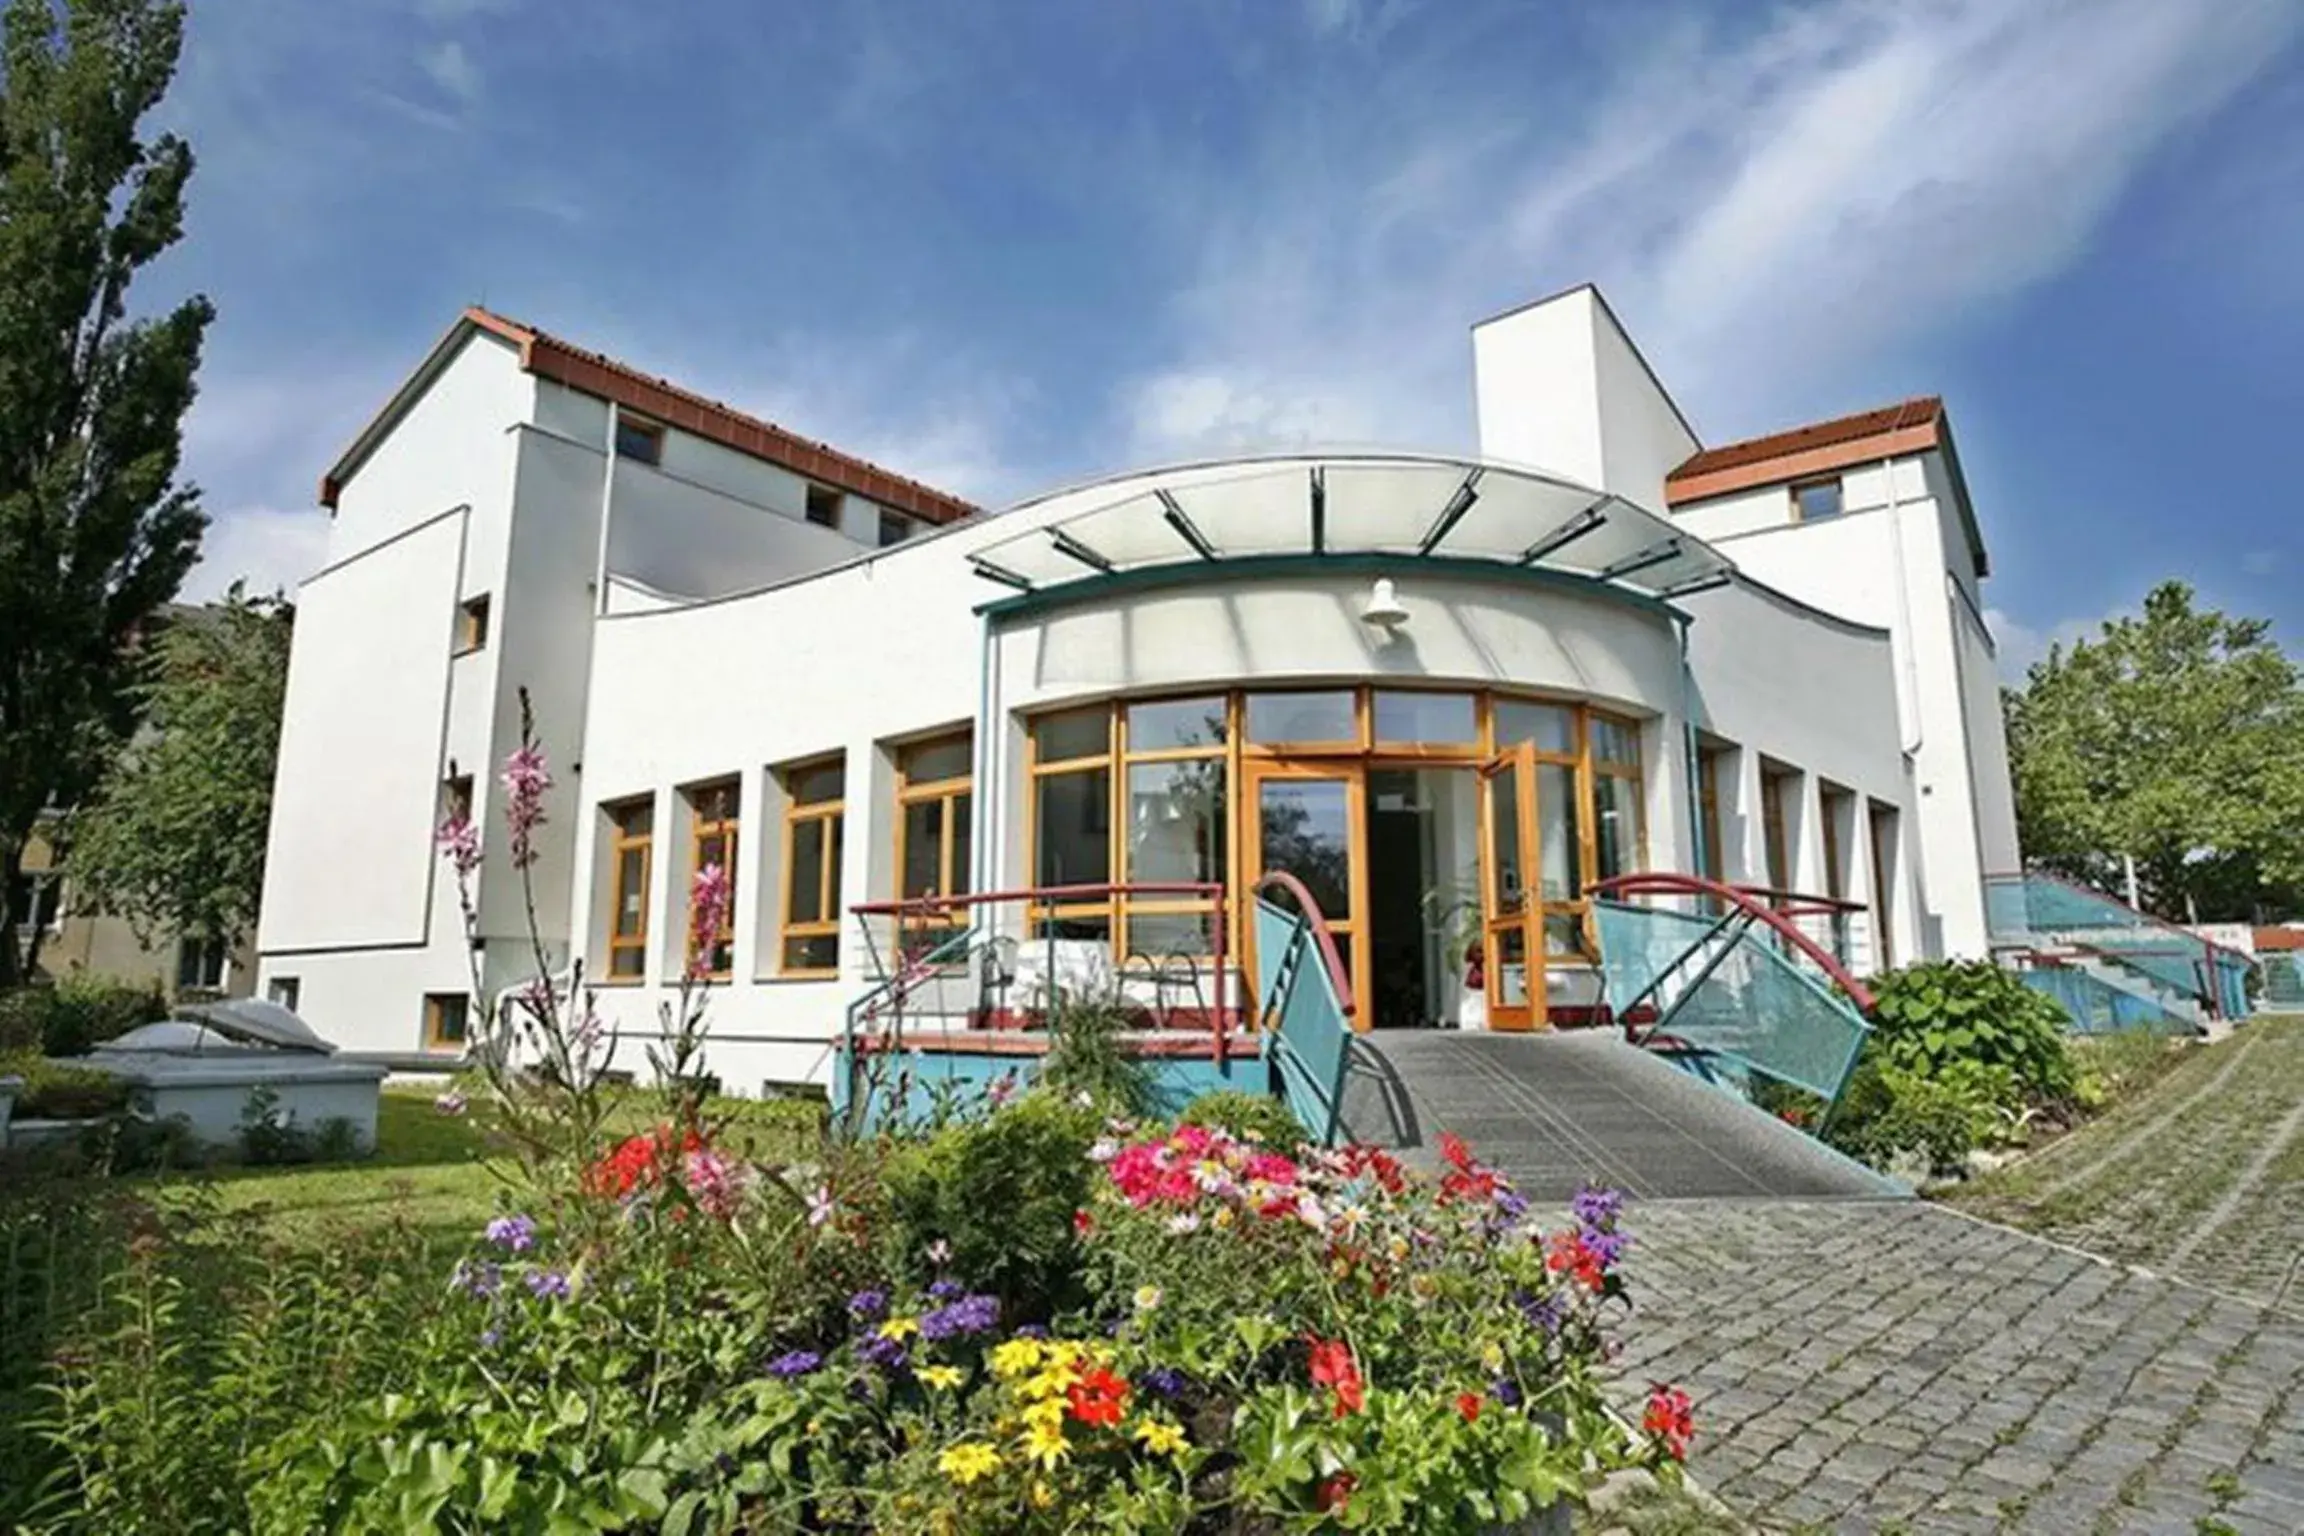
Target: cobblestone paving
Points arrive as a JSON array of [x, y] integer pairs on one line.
[[2203, 1177], [1896, 1366]]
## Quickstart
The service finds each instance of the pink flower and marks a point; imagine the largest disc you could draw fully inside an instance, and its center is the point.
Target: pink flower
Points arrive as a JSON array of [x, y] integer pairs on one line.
[[820, 1206], [716, 1182], [459, 843], [525, 779], [450, 1103]]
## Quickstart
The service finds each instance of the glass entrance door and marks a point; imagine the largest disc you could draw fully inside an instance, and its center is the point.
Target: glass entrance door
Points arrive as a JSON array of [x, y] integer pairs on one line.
[[1511, 910], [1307, 823]]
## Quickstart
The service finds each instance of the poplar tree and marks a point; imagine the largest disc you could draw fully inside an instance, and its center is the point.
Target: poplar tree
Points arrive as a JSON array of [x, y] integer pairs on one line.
[[96, 531]]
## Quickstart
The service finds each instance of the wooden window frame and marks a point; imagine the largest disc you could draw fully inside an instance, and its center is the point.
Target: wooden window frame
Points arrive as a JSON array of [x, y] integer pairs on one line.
[[1776, 825], [473, 616], [727, 827], [436, 1037], [1127, 756], [1817, 482], [946, 793], [652, 432], [905, 528], [1036, 770], [621, 841], [456, 797], [1881, 817], [832, 814]]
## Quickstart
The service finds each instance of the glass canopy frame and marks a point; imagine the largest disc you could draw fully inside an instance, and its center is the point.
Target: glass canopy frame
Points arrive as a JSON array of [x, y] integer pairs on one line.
[[1443, 509]]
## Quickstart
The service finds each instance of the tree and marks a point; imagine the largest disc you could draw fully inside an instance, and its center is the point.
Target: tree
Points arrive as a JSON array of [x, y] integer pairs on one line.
[[2177, 739], [96, 535], [174, 838]]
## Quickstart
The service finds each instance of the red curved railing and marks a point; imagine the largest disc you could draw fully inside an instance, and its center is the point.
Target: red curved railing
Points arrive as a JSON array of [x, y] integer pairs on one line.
[[1667, 883], [1307, 908]]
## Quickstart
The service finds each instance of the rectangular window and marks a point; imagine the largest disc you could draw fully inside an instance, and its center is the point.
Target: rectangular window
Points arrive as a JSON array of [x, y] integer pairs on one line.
[[1416, 719], [1175, 780], [1883, 830], [1616, 841], [824, 506], [935, 808], [808, 932], [632, 826], [1816, 500], [447, 1017], [200, 965], [1071, 816], [44, 903], [287, 991], [1551, 727], [456, 797], [895, 527], [1711, 762], [712, 818], [639, 440], [1329, 718], [472, 625], [1777, 785]]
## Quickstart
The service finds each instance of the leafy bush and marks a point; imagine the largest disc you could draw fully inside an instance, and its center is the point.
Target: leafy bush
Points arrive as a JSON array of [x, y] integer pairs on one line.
[[77, 1013], [1247, 1116], [57, 1091], [1926, 1017], [2108, 1067], [1889, 1116], [1001, 1192], [1087, 1051]]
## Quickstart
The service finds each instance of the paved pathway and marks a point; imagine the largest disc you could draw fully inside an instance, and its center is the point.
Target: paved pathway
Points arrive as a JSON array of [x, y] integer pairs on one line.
[[1885, 1366], [2202, 1177]]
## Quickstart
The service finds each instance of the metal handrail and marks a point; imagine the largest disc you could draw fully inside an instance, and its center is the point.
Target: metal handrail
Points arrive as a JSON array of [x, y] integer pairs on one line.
[[1669, 883], [1285, 1054], [1308, 908]]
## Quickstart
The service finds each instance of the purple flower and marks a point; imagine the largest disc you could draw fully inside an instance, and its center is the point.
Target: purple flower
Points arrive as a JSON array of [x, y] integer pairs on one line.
[[1597, 1207], [1544, 1313], [798, 1362], [1511, 1204], [543, 1283], [479, 1279], [970, 1314], [517, 1233], [1506, 1391], [945, 1290], [491, 1337], [888, 1354], [1033, 1331], [868, 1306], [1607, 1245], [1164, 1380]]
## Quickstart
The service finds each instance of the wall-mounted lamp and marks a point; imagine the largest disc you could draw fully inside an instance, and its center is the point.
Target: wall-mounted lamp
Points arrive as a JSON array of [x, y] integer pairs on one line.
[[1384, 610]]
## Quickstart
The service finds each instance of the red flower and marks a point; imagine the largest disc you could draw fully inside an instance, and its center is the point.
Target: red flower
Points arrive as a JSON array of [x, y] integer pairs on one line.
[[1671, 1419], [1468, 1404], [639, 1161], [1567, 1253], [1334, 1490], [1098, 1397], [1082, 1222], [1334, 1368], [1466, 1178]]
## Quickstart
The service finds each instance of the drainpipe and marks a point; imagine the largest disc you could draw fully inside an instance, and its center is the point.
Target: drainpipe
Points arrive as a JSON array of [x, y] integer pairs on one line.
[[988, 786], [1694, 758], [607, 510], [1911, 663]]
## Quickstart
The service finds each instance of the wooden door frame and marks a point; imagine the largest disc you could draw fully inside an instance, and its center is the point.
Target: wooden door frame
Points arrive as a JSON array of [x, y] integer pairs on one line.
[[1352, 771], [1520, 762]]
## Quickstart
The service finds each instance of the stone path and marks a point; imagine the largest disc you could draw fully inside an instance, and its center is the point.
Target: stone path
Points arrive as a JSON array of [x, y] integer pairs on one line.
[[2203, 1177], [1887, 1366]]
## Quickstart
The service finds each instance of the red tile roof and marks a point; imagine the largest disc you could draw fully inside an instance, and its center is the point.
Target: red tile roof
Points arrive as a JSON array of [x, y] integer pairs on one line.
[[2276, 940], [548, 356], [1818, 449]]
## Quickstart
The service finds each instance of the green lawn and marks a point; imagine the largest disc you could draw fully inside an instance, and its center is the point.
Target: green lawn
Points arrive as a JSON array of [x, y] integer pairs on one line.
[[434, 1170]]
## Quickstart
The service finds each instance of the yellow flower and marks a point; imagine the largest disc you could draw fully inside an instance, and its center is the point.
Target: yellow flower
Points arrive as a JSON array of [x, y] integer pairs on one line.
[[1147, 1297], [1224, 1216], [941, 1375], [1042, 1495], [1492, 1356], [900, 1328], [1015, 1357], [1047, 1414], [1160, 1437], [1053, 1380], [1045, 1442], [968, 1461]]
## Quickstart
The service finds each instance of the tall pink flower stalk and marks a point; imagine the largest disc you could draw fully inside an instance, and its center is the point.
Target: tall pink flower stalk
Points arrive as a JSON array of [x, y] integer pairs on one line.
[[710, 899], [525, 780]]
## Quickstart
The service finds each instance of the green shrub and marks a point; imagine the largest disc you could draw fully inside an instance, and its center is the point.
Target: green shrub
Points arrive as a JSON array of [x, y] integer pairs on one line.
[[74, 1014], [1249, 1116], [1925, 1017], [1889, 1115], [1087, 1053], [1001, 1192], [56, 1091]]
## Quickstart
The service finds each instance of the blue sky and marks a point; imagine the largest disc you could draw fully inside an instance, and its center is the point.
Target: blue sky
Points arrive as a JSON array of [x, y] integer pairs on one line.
[[1003, 246]]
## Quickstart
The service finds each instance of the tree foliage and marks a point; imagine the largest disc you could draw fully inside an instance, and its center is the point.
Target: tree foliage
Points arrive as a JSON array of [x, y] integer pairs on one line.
[[96, 533], [173, 839], [2175, 738]]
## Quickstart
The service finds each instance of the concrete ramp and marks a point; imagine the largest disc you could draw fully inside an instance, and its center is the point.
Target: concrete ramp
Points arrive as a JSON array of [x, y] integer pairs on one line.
[[1559, 1111]]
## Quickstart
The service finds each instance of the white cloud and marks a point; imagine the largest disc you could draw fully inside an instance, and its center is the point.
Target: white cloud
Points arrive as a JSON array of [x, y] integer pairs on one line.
[[448, 66], [268, 548], [2019, 645], [1854, 176]]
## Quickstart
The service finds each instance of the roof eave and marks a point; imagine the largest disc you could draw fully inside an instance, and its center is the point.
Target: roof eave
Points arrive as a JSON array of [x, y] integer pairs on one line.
[[468, 324]]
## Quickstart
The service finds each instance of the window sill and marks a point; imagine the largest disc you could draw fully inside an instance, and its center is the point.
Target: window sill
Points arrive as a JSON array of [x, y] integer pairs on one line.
[[775, 978], [616, 981]]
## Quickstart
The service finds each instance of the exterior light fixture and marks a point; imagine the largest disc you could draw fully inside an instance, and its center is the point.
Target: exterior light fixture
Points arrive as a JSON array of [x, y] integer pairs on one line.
[[1384, 611]]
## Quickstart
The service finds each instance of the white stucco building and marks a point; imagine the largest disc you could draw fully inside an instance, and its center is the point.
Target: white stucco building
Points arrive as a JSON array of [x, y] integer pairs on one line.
[[1614, 648]]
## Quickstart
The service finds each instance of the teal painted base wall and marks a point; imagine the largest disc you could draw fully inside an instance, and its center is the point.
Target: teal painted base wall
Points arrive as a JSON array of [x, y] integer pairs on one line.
[[1176, 1080]]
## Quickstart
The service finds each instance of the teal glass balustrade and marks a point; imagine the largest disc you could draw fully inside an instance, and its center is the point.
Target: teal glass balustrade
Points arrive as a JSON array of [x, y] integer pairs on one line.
[[1309, 1037]]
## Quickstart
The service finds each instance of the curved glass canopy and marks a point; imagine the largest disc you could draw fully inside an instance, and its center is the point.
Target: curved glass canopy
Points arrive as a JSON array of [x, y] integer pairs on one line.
[[1413, 508]]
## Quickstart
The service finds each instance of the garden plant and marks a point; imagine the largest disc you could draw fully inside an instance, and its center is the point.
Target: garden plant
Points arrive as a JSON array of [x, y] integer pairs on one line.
[[1039, 1312]]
